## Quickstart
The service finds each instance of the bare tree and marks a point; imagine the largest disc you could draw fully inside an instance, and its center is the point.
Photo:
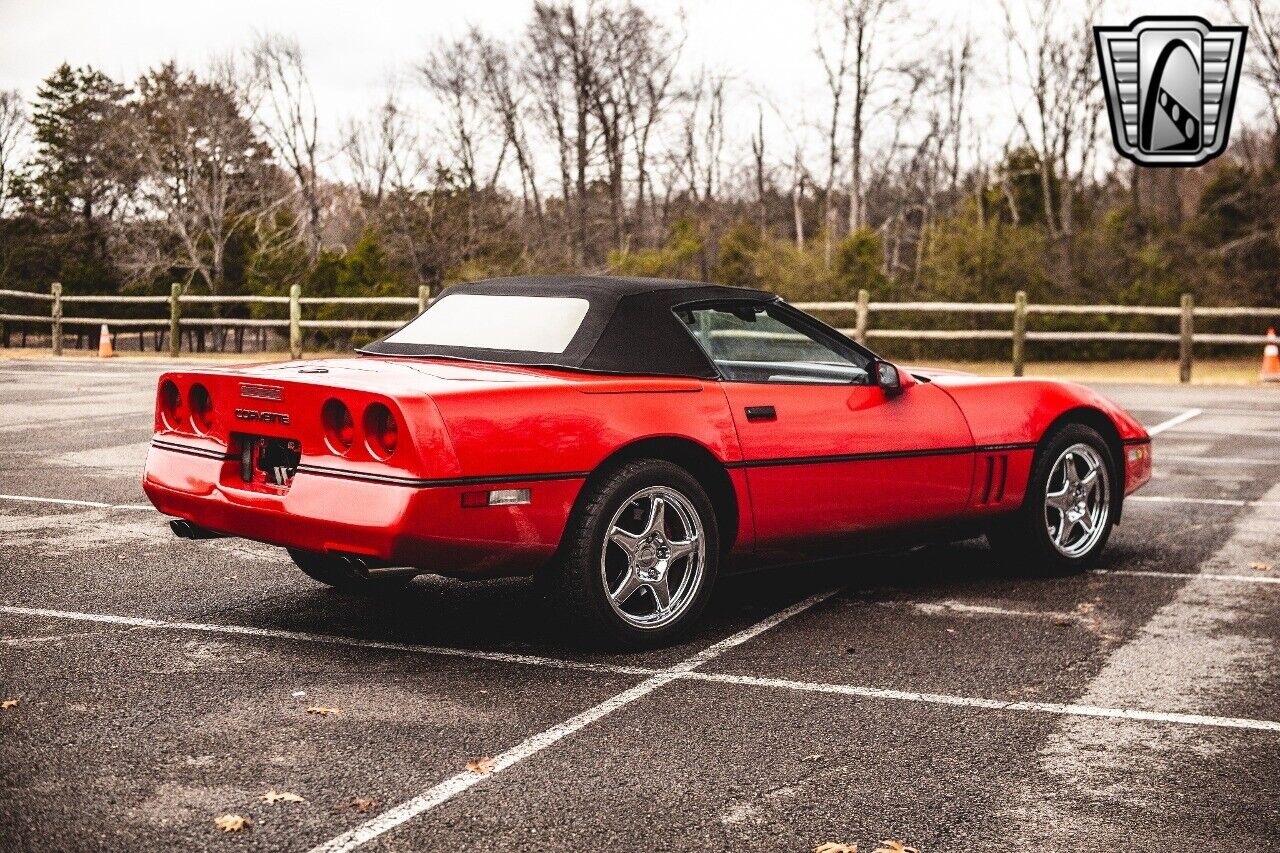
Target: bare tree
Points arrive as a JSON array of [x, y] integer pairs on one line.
[[899, 175], [565, 51], [207, 176], [453, 75], [385, 155], [869, 63], [1263, 62], [956, 82], [835, 61], [632, 91], [1052, 59], [367, 145], [421, 212], [545, 69], [288, 119], [609, 97], [757, 158], [797, 197], [13, 128], [647, 90], [933, 169], [503, 87], [701, 160]]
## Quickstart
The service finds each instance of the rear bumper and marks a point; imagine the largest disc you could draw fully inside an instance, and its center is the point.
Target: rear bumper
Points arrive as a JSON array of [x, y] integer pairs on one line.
[[423, 527]]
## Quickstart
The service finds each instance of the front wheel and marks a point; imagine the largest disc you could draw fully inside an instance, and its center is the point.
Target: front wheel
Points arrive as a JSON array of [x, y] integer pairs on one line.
[[1069, 508], [640, 556]]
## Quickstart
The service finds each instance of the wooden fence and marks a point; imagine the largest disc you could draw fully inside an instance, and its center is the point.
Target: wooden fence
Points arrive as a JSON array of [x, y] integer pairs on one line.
[[1016, 332]]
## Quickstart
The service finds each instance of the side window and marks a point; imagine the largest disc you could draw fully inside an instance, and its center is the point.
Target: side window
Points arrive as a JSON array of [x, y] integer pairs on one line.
[[750, 342]]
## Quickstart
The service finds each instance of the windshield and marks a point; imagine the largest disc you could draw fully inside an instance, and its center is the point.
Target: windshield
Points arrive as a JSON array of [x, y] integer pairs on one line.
[[540, 324]]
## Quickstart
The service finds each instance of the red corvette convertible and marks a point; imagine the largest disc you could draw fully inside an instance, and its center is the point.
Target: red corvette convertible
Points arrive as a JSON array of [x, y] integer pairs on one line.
[[624, 440]]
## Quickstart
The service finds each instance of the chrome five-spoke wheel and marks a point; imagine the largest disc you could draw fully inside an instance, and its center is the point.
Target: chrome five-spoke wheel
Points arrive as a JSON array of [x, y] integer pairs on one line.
[[1077, 500], [1072, 501], [653, 557], [639, 558]]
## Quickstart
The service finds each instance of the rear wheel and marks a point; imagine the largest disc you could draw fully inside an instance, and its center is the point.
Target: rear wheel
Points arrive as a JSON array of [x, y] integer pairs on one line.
[[1069, 509], [338, 573], [640, 556]]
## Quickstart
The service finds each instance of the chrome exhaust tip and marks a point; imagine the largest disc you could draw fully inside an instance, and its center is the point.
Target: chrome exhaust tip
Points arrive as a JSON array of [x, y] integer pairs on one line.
[[184, 529], [371, 568], [358, 566]]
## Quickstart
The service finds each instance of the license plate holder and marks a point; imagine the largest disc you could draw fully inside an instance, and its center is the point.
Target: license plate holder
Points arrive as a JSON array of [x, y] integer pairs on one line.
[[268, 461]]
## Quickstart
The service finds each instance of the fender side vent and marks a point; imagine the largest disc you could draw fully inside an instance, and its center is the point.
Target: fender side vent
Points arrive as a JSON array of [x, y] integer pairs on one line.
[[994, 472]]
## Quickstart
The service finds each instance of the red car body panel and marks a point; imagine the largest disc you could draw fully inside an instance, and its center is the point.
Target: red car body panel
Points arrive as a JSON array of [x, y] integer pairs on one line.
[[833, 462], [819, 471]]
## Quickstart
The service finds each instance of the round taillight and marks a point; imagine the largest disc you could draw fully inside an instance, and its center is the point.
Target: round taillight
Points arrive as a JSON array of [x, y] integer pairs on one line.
[[339, 427], [381, 431], [171, 410], [201, 405]]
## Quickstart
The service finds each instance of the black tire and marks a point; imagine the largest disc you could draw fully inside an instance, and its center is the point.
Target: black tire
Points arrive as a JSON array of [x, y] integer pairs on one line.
[[333, 571], [1025, 542], [576, 580]]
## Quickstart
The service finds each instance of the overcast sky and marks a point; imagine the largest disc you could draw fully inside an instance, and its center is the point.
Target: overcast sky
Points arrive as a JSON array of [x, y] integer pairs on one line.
[[354, 49]]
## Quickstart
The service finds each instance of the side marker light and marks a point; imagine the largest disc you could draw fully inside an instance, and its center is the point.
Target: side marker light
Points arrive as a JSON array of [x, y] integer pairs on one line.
[[497, 497]]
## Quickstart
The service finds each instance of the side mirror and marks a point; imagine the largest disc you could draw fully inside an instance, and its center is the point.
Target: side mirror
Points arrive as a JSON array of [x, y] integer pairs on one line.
[[888, 379]]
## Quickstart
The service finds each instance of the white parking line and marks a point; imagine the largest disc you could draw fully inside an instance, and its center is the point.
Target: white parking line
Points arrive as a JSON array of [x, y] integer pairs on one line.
[[685, 671], [1217, 460], [460, 782], [32, 499], [1201, 432], [1162, 499], [1214, 576], [951, 606], [991, 704], [1265, 413], [44, 638], [328, 639], [1174, 421]]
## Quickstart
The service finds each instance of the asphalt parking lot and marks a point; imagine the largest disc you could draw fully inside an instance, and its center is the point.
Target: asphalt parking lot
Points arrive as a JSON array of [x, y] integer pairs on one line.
[[927, 698]]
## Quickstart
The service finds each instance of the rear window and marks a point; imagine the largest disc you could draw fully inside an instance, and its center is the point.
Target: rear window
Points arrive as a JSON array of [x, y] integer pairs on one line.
[[543, 324]]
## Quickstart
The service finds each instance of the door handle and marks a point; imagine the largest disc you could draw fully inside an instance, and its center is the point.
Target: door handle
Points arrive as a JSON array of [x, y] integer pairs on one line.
[[761, 413]]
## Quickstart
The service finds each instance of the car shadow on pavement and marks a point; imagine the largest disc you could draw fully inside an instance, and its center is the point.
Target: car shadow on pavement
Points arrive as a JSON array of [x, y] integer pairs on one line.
[[511, 615]]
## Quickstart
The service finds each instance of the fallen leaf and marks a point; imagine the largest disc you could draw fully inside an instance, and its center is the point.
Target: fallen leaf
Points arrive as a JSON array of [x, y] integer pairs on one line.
[[8, 703], [890, 845], [232, 823], [361, 804], [833, 847], [323, 711], [481, 766], [274, 796], [1261, 567]]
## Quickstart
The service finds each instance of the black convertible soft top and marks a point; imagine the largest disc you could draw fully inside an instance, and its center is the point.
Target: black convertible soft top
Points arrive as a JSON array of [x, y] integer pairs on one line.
[[629, 327]]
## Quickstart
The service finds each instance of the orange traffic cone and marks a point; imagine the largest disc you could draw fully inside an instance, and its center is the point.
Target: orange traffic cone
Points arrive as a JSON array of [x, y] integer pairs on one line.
[[105, 350], [1270, 359]]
